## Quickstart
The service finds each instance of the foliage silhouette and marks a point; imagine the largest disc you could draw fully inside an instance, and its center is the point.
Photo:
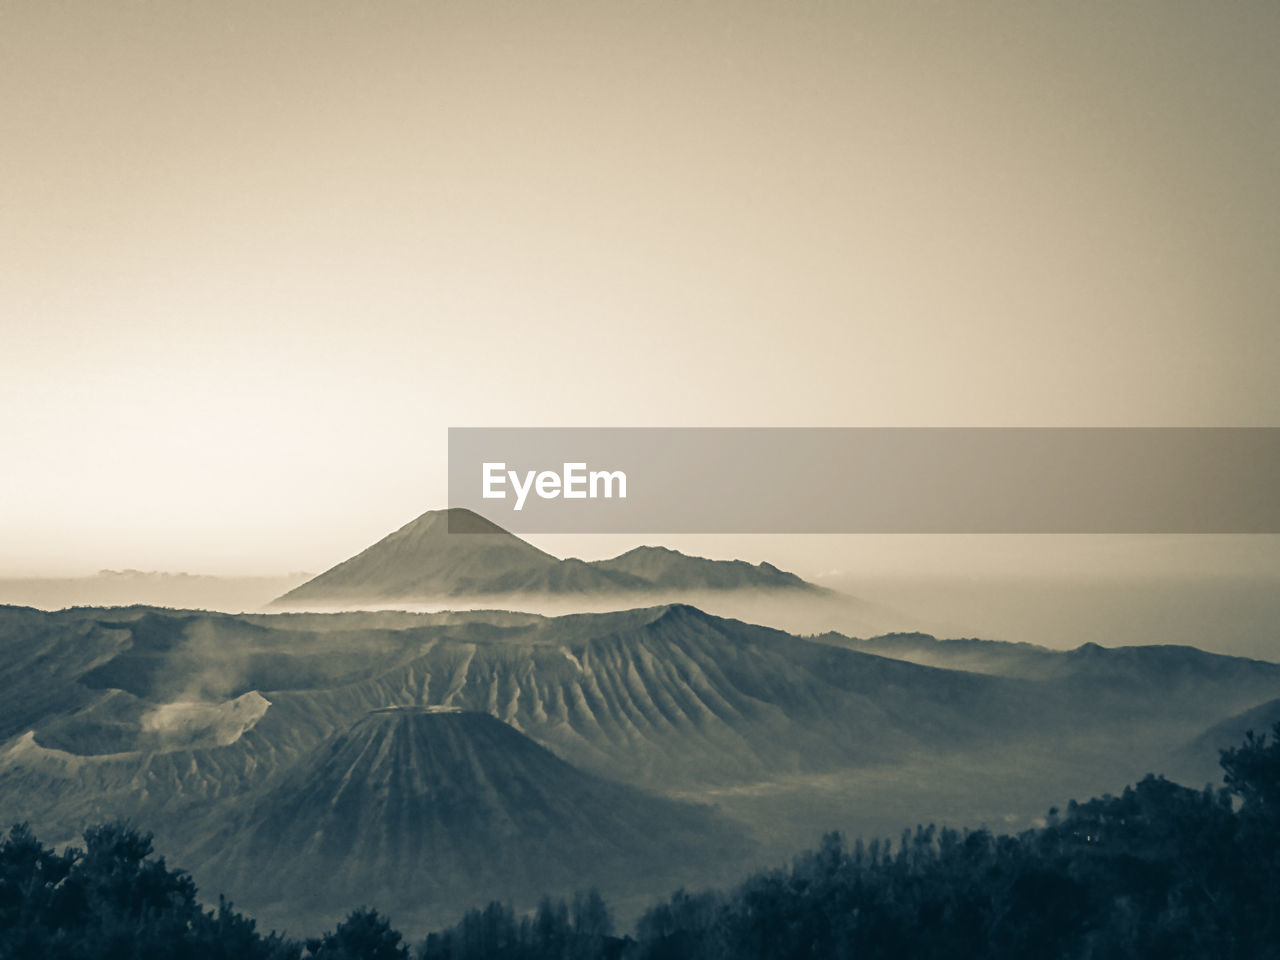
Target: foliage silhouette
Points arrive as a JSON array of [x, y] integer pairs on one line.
[[112, 899], [364, 935], [1161, 871]]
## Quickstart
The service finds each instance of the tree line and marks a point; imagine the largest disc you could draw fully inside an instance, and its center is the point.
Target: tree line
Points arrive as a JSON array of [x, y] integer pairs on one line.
[[1161, 871]]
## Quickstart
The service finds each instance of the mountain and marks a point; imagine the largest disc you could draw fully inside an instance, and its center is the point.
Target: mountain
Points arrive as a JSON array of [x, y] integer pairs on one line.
[[429, 810], [425, 560], [1197, 760], [671, 569], [669, 696], [456, 553], [995, 657], [201, 725], [1136, 666]]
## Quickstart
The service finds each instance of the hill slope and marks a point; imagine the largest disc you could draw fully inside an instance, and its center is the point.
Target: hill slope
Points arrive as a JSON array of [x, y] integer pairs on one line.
[[1196, 760], [427, 811]]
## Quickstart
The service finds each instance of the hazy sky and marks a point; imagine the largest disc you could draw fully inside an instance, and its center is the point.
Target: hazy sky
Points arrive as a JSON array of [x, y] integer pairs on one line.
[[255, 258]]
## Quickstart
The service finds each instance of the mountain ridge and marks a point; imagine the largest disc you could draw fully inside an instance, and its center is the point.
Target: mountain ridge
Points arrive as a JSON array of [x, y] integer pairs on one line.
[[453, 553]]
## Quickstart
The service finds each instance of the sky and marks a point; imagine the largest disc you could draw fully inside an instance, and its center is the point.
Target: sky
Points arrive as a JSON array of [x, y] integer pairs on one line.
[[256, 258]]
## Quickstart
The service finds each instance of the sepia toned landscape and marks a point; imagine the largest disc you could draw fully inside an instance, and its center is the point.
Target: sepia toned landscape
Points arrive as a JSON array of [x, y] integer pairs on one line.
[[618, 480], [345, 751]]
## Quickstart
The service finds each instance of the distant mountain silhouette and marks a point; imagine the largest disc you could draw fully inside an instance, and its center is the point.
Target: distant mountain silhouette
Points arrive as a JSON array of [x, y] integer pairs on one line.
[[458, 553], [661, 567], [425, 809], [1146, 666]]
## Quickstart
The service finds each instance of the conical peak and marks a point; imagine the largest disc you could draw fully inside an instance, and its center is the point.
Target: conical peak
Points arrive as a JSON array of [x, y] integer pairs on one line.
[[453, 520]]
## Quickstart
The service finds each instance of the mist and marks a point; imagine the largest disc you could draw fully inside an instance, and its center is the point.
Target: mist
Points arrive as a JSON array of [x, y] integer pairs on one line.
[[1231, 615], [131, 587]]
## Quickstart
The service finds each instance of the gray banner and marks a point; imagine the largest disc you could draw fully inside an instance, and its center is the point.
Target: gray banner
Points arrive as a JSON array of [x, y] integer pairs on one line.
[[869, 480]]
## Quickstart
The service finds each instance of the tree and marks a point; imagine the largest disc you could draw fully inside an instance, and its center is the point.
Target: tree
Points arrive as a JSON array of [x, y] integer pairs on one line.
[[591, 916], [1253, 773], [551, 928], [114, 899], [364, 935]]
